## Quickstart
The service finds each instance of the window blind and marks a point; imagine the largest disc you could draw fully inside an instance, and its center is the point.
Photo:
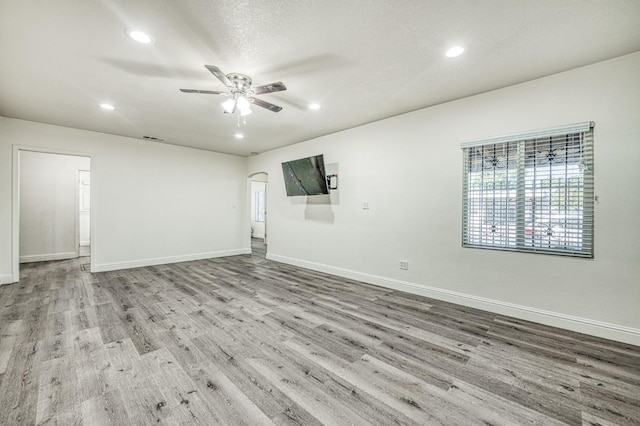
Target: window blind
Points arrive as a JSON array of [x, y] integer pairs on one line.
[[531, 192]]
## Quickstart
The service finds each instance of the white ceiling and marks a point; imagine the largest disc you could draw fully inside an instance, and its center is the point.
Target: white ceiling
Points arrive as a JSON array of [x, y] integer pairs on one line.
[[362, 60]]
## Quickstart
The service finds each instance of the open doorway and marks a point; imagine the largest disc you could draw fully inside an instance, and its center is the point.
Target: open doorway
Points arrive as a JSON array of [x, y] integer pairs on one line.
[[84, 213], [51, 206], [258, 189]]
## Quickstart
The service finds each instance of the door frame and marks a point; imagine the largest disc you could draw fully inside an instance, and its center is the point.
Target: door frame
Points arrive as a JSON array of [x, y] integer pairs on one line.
[[266, 192], [15, 201]]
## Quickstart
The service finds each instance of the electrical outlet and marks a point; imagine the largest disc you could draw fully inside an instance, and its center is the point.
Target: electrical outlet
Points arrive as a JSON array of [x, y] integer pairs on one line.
[[365, 205], [404, 265]]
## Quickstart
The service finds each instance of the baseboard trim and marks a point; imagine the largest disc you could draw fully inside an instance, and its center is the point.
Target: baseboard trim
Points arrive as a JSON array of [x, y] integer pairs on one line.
[[103, 267], [578, 324], [47, 257], [6, 279]]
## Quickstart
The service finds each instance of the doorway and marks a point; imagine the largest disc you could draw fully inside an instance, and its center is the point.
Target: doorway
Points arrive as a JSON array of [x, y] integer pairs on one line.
[[49, 206], [258, 190], [84, 212]]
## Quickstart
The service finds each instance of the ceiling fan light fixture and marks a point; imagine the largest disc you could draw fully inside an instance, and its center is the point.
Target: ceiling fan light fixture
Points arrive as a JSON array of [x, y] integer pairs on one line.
[[243, 106], [243, 103], [229, 106]]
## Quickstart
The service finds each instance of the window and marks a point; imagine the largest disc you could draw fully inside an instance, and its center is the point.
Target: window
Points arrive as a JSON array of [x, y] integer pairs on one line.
[[530, 192], [259, 213]]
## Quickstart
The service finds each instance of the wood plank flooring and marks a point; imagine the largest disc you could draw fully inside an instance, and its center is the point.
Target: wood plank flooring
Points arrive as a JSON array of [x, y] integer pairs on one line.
[[242, 340]]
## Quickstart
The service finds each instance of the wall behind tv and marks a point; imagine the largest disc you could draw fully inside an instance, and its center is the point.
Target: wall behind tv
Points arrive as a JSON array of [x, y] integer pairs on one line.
[[151, 203], [408, 169]]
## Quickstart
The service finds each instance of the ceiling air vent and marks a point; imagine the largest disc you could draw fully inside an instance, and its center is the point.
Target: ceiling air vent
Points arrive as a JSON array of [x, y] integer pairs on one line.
[[153, 138]]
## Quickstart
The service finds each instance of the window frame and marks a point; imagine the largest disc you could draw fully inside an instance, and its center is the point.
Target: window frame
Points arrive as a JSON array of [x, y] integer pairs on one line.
[[576, 240]]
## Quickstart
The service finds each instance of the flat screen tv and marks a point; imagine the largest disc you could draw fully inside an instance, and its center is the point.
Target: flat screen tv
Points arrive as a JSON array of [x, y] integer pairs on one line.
[[305, 176]]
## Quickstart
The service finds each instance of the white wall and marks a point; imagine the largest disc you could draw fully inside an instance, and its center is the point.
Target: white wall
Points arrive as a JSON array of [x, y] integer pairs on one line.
[[48, 205], [408, 168], [151, 203]]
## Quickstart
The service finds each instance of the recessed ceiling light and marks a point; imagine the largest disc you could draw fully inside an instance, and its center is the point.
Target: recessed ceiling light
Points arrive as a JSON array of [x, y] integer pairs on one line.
[[107, 106], [239, 136], [454, 51], [314, 106], [139, 36]]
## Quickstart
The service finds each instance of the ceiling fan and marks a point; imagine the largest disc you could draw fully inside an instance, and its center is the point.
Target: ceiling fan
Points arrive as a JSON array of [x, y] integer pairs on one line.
[[241, 92]]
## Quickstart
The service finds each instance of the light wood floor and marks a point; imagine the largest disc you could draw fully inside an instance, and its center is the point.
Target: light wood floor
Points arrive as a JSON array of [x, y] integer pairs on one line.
[[242, 340]]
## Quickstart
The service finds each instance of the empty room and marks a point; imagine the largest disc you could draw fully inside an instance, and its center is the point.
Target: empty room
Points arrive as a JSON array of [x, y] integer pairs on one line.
[[319, 212]]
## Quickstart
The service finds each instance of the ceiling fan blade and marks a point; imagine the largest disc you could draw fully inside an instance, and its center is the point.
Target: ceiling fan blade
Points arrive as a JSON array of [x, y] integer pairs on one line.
[[219, 75], [269, 88], [267, 105], [204, 92]]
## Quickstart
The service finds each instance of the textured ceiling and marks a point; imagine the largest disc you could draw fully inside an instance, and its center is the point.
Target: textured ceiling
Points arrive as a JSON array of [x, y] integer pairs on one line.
[[362, 60]]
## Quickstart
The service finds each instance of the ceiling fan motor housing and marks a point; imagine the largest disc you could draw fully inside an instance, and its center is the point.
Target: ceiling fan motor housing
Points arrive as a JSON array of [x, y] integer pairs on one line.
[[241, 82]]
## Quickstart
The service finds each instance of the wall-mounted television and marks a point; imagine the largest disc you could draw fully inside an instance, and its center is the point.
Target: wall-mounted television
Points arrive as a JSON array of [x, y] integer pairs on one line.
[[305, 176]]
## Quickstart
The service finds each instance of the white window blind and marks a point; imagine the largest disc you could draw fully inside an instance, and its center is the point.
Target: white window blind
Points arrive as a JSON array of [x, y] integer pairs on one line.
[[530, 192]]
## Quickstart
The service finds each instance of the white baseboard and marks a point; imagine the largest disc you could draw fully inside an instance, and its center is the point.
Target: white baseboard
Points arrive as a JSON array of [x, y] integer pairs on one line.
[[47, 257], [581, 325], [6, 279], [164, 260]]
